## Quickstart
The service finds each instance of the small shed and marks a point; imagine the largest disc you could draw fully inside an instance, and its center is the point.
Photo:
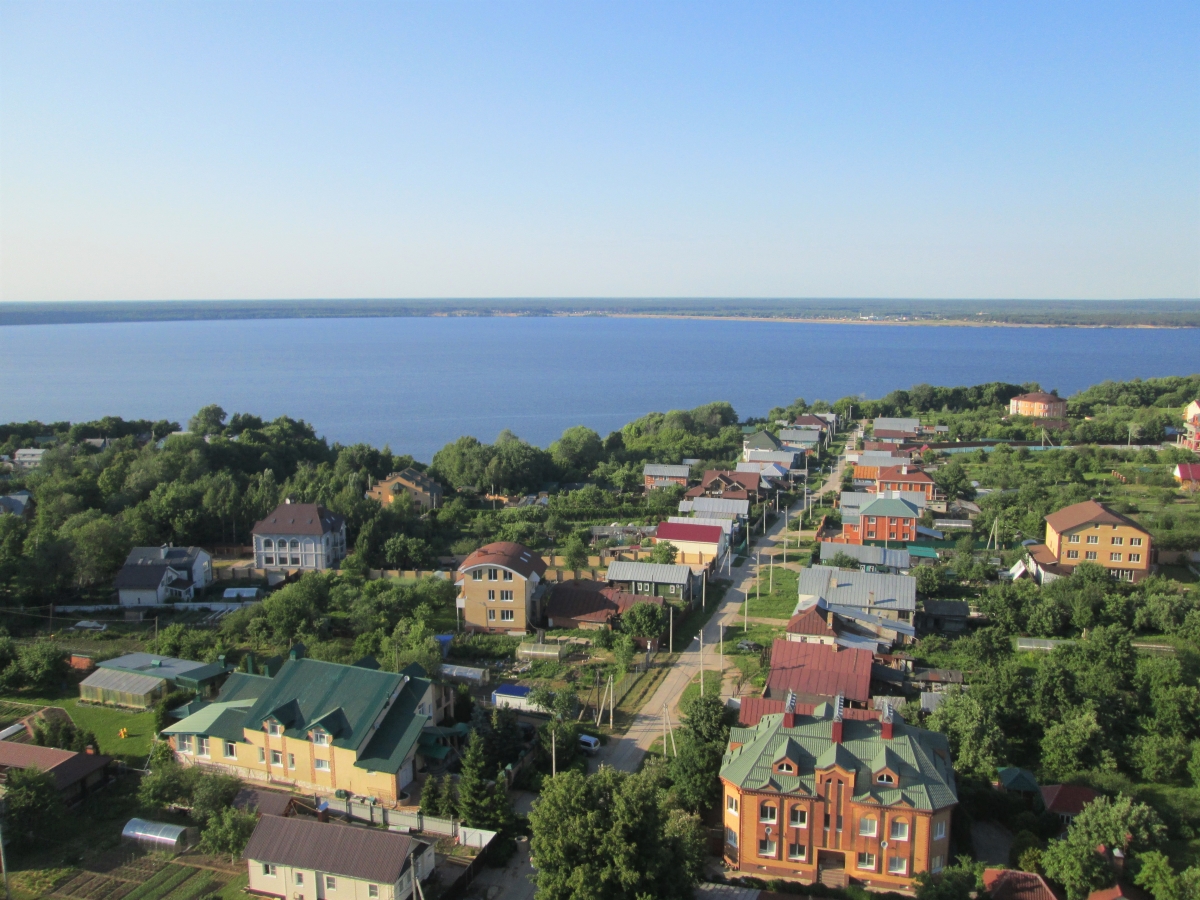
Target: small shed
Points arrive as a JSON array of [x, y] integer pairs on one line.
[[514, 696], [158, 835]]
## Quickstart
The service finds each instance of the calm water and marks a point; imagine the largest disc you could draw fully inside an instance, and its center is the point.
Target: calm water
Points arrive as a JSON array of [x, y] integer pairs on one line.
[[417, 383]]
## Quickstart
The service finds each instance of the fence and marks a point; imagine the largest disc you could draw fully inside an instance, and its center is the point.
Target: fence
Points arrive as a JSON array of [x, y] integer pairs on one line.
[[211, 605]]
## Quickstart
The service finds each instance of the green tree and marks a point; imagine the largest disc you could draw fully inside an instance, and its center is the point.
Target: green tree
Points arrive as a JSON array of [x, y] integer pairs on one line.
[[1156, 876], [99, 545], [43, 665], [623, 652], [664, 553], [209, 420], [227, 832], [1122, 824], [430, 796], [953, 481], [644, 620], [473, 794], [34, 807], [976, 742], [63, 734], [1067, 746], [960, 881], [211, 793], [694, 773], [575, 553], [577, 452], [447, 802], [929, 580], [706, 718]]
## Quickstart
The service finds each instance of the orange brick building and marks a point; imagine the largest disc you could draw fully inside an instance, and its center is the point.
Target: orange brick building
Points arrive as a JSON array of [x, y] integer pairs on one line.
[[906, 478], [1038, 405], [885, 519]]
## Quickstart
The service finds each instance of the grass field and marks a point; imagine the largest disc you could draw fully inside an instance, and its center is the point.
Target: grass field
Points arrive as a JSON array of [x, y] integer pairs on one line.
[[778, 603], [105, 722]]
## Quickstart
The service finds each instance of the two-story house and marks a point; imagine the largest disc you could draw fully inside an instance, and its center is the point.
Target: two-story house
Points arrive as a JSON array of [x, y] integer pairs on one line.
[[831, 799], [853, 592], [299, 536], [1189, 439], [424, 491], [907, 478], [152, 575], [1091, 532], [500, 588], [660, 476], [883, 519]]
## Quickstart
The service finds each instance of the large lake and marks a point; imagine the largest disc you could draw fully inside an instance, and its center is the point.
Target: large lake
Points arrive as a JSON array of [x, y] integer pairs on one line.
[[416, 383]]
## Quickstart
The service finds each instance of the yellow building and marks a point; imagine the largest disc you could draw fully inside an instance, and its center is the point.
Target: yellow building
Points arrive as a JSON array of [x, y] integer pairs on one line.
[[500, 588], [1091, 532], [424, 491]]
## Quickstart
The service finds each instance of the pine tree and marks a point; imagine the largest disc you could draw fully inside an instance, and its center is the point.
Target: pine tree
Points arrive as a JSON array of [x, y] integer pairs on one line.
[[430, 796], [473, 795], [446, 800]]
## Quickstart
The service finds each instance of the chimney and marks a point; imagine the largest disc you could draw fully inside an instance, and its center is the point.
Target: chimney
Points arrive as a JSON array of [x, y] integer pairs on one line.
[[888, 723], [904, 470], [288, 501], [250, 663], [838, 705], [162, 552], [89, 750], [789, 720]]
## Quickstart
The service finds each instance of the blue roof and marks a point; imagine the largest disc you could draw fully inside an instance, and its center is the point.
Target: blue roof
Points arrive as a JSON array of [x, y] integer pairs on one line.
[[512, 690]]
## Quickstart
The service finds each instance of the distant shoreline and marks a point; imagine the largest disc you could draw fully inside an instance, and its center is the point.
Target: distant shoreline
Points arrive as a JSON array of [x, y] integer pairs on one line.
[[957, 323]]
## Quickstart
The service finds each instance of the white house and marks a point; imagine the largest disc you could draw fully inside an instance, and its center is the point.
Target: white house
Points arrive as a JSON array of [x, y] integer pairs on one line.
[[299, 536], [152, 575]]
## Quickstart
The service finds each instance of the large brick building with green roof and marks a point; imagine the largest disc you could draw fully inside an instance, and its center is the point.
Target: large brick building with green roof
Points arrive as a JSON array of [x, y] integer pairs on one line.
[[825, 798]]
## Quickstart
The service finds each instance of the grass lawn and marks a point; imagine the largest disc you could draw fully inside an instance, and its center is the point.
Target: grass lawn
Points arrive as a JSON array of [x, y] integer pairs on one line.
[[779, 603], [235, 890], [105, 722]]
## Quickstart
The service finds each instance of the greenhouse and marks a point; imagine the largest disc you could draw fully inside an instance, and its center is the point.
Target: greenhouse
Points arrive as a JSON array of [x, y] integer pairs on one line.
[[116, 688], [158, 835]]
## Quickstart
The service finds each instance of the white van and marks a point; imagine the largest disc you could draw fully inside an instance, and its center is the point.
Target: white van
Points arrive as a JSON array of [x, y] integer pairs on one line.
[[589, 744]]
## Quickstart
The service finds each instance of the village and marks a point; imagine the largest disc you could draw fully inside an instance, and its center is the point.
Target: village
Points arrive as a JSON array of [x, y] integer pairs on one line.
[[804, 648]]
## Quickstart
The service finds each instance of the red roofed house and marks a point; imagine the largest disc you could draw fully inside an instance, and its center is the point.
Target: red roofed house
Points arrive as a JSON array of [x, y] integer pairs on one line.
[[589, 605], [1119, 892], [905, 478], [1188, 475], [810, 421], [1010, 884], [500, 588], [1190, 439], [697, 544], [817, 672], [1067, 800], [1038, 405], [75, 774], [813, 626], [728, 485]]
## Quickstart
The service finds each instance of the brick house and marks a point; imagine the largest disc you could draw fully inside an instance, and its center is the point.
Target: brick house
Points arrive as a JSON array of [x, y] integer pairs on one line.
[[1190, 439], [1038, 405], [905, 477], [885, 519], [424, 491], [726, 485], [658, 476], [501, 588], [1091, 532]]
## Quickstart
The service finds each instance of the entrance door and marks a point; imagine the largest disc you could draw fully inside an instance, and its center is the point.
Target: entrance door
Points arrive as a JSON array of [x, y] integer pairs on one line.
[[831, 868]]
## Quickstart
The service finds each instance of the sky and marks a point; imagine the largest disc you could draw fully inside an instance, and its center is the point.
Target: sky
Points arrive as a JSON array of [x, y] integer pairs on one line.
[[159, 151]]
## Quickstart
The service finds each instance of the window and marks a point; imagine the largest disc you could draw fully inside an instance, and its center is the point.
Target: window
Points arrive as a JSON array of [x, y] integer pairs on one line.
[[798, 817], [269, 869], [673, 589], [1090, 554], [897, 865], [262, 755], [330, 883], [903, 615], [491, 615], [1072, 554], [492, 596], [269, 560], [899, 830], [868, 827], [885, 778], [273, 729], [276, 758], [230, 750], [507, 575], [731, 804], [866, 861], [299, 878], [870, 520], [372, 890], [797, 852], [493, 574], [766, 848], [507, 615], [1093, 538], [1118, 541], [731, 837], [268, 544], [291, 760], [766, 812], [786, 767], [184, 743], [893, 537], [1114, 557], [477, 575], [1135, 542], [1135, 557], [321, 765], [320, 738], [506, 595], [202, 746], [1072, 539], [938, 863], [939, 830]]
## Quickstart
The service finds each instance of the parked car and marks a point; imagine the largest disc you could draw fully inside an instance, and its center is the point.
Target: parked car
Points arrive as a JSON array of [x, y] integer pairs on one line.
[[749, 647], [589, 744]]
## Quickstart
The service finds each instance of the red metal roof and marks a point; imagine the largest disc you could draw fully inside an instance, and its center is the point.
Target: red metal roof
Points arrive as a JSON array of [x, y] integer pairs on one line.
[[822, 670], [896, 473], [506, 555], [678, 531], [1067, 799], [66, 766], [1188, 471], [813, 620], [1010, 884]]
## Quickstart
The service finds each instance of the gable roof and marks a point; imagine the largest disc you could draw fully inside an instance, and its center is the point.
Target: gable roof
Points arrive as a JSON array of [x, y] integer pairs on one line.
[[1067, 799], [763, 440], [368, 854], [711, 505], [578, 601], [897, 473], [125, 682], [810, 421], [1188, 471], [243, 686], [800, 435], [818, 670], [894, 424], [867, 554], [814, 620], [1089, 512], [658, 573], [922, 757], [299, 519], [846, 587], [67, 766], [654, 470], [1010, 884], [746, 480], [179, 557], [677, 531], [144, 576], [1015, 778], [507, 555]]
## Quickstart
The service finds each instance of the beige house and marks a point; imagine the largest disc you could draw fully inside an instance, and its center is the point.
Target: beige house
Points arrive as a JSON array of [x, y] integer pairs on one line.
[[501, 589], [424, 491], [305, 859], [299, 536], [1091, 532]]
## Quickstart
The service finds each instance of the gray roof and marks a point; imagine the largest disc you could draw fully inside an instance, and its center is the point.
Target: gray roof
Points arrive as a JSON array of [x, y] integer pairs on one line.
[[125, 682], [167, 667], [176, 557], [947, 608], [725, 525], [866, 590], [878, 458], [861, 616], [368, 854], [872, 556], [883, 423], [710, 505], [800, 435], [655, 572], [857, 499], [16, 502], [145, 576], [656, 471], [774, 456]]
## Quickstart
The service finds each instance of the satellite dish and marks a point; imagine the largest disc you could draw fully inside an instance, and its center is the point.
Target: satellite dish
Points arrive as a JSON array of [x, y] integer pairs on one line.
[[883, 844]]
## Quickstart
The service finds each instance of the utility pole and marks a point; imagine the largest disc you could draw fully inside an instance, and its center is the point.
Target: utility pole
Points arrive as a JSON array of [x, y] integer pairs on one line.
[[4, 864], [771, 568], [703, 592], [553, 751], [757, 576], [671, 631], [701, 660]]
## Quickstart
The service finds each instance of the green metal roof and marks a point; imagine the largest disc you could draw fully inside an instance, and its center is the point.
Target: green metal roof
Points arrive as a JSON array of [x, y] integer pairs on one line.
[[242, 686], [205, 720], [197, 678], [399, 731], [1017, 779], [890, 506], [920, 758], [764, 440], [922, 552]]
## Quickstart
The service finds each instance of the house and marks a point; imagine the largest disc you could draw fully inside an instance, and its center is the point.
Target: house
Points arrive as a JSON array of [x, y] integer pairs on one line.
[[906, 478], [304, 859], [716, 507], [1011, 884], [752, 709], [868, 464], [785, 457], [804, 439], [697, 544], [1119, 892], [943, 616], [1066, 801], [299, 536], [75, 774], [1038, 405], [829, 798], [424, 491], [1015, 780], [884, 436], [809, 421], [320, 727], [884, 519], [18, 503], [870, 558], [1091, 532], [501, 588], [726, 525], [1187, 474], [589, 606], [513, 696], [152, 575], [821, 625], [850, 502], [656, 476], [28, 459], [721, 484], [887, 423], [1189, 439], [674, 582], [761, 440], [885, 596], [813, 671]]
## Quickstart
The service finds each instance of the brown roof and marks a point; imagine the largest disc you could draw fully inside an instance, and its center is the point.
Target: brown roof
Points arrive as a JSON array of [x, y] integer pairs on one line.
[[1039, 397], [752, 709], [66, 766], [267, 803], [891, 433], [748, 480], [895, 473], [581, 602], [1088, 512], [818, 670], [299, 519], [813, 620], [814, 421], [1067, 799], [507, 555], [1119, 892], [368, 854], [1010, 884]]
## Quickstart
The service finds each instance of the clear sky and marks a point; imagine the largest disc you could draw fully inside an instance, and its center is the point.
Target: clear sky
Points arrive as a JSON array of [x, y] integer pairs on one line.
[[283, 150]]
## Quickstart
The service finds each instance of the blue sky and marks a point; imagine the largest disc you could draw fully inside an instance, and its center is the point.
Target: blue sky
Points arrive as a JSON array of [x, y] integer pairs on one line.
[[261, 150]]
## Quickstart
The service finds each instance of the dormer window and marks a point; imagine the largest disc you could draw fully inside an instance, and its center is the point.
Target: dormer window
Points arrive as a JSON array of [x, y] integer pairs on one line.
[[493, 574], [785, 768], [274, 729], [477, 575], [885, 778], [507, 575], [321, 738]]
